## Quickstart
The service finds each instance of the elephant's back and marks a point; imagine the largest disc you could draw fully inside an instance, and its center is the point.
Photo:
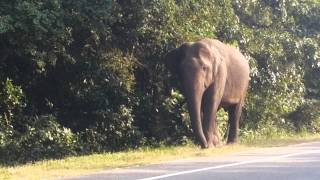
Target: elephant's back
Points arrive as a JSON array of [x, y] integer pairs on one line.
[[238, 66], [230, 54]]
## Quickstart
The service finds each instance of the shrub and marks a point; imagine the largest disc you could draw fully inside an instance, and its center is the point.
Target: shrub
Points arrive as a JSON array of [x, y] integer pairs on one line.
[[42, 137], [112, 131], [307, 117]]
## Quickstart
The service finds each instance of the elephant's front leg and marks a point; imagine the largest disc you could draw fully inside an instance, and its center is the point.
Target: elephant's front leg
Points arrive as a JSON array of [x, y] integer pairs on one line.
[[210, 108], [212, 98]]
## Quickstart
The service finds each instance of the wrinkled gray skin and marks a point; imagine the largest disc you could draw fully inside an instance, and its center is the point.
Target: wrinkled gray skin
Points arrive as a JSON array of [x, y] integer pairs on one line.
[[214, 75]]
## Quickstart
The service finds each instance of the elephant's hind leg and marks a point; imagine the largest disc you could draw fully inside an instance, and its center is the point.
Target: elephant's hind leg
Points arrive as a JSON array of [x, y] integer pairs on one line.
[[234, 118]]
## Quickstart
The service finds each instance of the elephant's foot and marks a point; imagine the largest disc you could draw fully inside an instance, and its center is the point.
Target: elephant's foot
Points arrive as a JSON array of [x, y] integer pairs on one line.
[[216, 140], [204, 146], [232, 141], [213, 141], [210, 145]]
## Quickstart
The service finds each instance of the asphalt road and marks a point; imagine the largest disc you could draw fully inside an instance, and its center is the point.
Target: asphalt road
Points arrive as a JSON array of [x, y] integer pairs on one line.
[[294, 162]]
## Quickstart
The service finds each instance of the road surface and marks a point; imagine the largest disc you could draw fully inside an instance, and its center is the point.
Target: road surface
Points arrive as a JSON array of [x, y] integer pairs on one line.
[[294, 162]]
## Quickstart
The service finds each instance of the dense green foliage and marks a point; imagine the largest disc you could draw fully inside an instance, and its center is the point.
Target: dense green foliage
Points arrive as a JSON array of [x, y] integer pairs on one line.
[[81, 76]]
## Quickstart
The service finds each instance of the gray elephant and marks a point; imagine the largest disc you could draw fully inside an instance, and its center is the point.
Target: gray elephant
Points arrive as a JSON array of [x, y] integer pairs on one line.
[[213, 75]]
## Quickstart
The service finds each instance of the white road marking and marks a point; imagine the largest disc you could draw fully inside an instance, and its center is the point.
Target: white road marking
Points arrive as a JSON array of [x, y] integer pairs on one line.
[[232, 164]]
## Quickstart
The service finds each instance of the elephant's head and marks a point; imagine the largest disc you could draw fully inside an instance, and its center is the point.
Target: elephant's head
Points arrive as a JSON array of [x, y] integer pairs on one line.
[[199, 61], [195, 64]]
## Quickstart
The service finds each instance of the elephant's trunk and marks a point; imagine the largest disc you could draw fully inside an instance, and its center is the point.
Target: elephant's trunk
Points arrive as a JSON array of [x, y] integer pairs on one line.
[[194, 94]]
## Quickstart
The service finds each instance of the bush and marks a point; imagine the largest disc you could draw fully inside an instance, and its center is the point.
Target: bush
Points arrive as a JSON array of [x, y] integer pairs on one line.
[[306, 117], [11, 106], [111, 132], [269, 103], [11, 102], [42, 137], [175, 127]]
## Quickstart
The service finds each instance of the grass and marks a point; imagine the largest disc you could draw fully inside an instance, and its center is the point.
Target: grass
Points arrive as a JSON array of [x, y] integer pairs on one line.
[[73, 166]]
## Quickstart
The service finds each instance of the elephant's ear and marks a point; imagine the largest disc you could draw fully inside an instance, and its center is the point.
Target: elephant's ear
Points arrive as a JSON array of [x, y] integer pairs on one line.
[[174, 58]]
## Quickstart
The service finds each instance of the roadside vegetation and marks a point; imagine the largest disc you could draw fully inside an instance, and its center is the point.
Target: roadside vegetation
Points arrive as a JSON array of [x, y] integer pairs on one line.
[[87, 77]]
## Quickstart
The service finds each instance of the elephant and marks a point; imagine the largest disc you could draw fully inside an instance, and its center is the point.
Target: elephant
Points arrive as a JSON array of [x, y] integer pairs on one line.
[[213, 75]]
